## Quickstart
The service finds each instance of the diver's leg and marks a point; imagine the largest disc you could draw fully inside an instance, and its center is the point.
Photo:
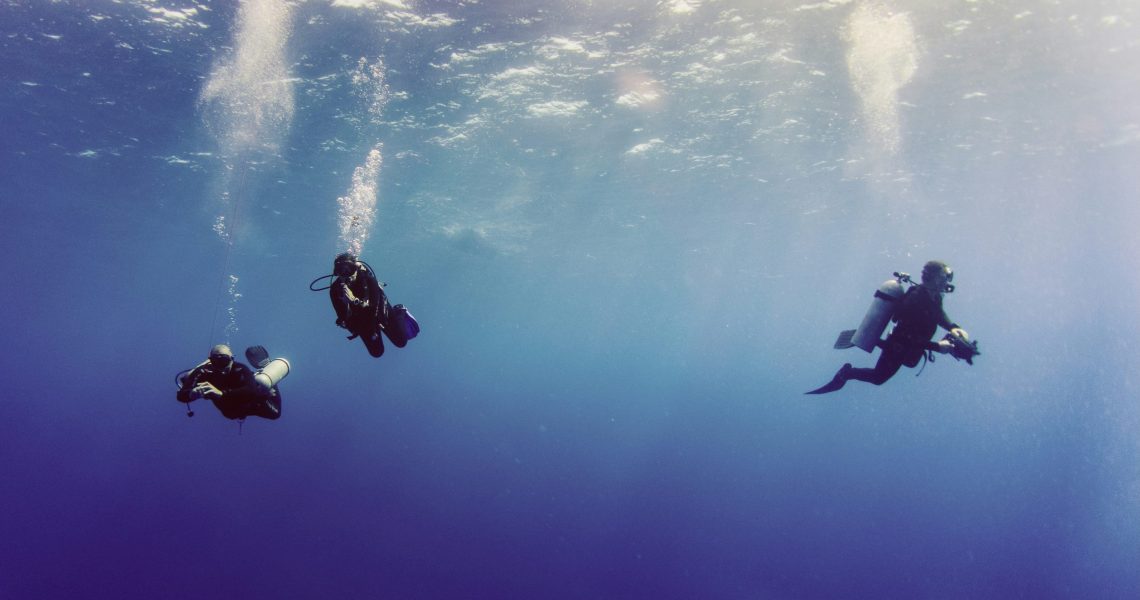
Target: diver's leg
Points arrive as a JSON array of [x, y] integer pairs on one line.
[[888, 365], [374, 342], [395, 332], [269, 406], [368, 333]]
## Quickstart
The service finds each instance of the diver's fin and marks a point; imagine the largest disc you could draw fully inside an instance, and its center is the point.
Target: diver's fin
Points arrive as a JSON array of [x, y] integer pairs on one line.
[[843, 342], [257, 356], [836, 382]]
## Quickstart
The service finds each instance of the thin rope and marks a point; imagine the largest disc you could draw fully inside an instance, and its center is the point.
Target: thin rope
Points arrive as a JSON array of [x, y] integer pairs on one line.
[[232, 233]]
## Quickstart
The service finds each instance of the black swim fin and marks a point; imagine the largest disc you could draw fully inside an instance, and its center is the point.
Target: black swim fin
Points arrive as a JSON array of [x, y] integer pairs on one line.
[[843, 342], [257, 356], [836, 382]]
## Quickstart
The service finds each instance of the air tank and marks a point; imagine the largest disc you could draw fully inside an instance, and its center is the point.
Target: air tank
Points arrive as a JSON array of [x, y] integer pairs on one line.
[[271, 374], [886, 300]]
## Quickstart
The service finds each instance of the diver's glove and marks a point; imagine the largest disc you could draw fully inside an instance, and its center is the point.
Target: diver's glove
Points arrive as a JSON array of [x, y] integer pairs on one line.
[[961, 347], [945, 346], [208, 391], [340, 323]]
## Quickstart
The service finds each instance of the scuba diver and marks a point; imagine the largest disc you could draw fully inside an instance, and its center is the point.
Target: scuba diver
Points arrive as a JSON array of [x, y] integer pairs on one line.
[[235, 389], [917, 314], [362, 306]]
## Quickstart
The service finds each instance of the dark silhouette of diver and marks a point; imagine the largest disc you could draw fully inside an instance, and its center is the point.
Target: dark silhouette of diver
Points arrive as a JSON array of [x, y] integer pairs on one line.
[[235, 389], [917, 316], [362, 306]]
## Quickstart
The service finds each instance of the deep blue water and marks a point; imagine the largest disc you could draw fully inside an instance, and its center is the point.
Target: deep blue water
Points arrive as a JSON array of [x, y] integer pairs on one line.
[[631, 232]]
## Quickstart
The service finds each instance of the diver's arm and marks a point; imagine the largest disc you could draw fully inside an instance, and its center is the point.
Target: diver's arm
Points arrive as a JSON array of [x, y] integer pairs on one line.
[[348, 298], [376, 296], [946, 323], [186, 392], [945, 346], [952, 327], [246, 386]]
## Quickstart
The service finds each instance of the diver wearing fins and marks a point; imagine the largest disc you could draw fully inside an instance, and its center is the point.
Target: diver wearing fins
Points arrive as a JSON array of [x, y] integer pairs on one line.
[[917, 314], [235, 389], [362, 306]]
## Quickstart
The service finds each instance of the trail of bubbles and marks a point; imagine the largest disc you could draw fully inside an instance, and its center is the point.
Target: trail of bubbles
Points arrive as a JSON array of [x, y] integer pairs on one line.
[[220, 229], [882, 57], [358, 208], [247, 101], [247, 105], [231, 310], [368, 84]]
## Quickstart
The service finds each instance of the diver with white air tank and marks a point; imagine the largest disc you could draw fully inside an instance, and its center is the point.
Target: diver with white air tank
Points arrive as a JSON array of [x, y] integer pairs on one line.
[[235, 389], [917, 313]]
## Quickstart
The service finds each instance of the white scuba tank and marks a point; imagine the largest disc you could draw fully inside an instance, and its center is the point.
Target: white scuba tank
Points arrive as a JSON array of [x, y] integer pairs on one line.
[[272, 373], [887, 299]]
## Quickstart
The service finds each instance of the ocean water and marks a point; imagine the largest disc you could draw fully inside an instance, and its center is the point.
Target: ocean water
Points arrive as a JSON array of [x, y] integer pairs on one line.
[[630, 231]]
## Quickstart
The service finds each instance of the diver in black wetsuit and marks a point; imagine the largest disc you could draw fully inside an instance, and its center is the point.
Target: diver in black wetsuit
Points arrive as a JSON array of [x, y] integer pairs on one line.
[[917, 318], [362, 306], [231, 385]]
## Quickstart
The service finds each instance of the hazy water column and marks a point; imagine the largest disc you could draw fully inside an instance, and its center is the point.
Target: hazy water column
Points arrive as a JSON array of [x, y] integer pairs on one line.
[[247, 101], [247, 104], [882, 57]]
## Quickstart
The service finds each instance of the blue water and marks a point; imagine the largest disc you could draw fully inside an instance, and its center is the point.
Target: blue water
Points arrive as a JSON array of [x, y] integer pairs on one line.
[[631, 232]]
